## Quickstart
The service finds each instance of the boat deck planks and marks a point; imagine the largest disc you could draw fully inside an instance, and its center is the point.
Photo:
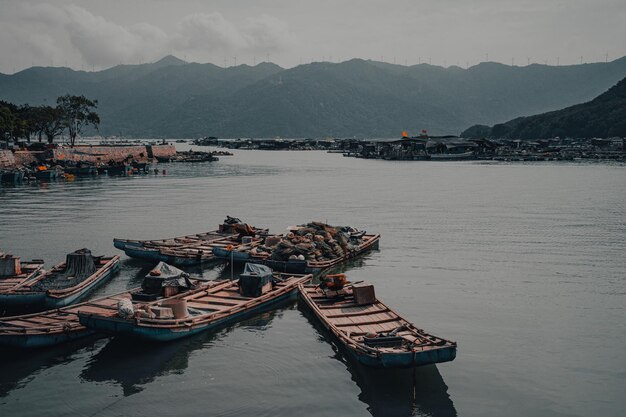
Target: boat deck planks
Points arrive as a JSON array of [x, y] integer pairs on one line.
[[63, 320], [351, 324], [184, 250], [207, 307], [30, 271]]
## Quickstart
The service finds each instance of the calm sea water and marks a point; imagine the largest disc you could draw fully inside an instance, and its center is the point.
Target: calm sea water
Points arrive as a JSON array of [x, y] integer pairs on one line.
[[523, 265]]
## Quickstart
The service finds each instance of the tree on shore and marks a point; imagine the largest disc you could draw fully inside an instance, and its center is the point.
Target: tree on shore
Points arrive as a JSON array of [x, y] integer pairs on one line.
[[7, 122], [77, 112], [49, 122], [72, 113]]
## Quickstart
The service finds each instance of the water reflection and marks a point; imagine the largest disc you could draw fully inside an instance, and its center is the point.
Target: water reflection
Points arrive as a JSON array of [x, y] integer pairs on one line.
[[354, 263], [402, 392], [392, 392], [134, 365], [20, 367]]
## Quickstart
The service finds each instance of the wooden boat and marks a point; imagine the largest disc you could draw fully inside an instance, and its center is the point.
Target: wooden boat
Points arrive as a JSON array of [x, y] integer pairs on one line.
[[452, 156], [52, 327], [12, 177], [121, 170], [14, 274], [65, 284], [141, 167], [295, 266], [81, 171], [46, 175], [183, 250], [59, 326], [191, 249], [195, 311], [372, 333]]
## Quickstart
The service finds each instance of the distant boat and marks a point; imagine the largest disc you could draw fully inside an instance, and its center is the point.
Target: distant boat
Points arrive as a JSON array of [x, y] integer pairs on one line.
[[116, 170], [372, 333], [451, 156], [81, 171], [65, 284], [46, 175], [141, 167], [12, 177], [199, 310]]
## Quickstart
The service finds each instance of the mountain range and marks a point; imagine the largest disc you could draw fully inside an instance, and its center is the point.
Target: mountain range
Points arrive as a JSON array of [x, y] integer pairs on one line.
[[173, 98], [602, 117]]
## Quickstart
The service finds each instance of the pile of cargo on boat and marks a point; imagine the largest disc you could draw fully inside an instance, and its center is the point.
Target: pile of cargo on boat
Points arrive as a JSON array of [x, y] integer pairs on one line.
[[308, 248], [313, 241]]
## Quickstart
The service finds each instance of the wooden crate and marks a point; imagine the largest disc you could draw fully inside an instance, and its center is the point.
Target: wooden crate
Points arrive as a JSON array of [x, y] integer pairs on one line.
[[364, 294], [170, 291]]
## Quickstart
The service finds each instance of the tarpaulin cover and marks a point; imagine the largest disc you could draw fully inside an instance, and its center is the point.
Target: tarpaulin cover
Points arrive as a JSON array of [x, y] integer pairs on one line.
[[253, 279], [231, 220], [168, 276], [257, 270], [79, 264]]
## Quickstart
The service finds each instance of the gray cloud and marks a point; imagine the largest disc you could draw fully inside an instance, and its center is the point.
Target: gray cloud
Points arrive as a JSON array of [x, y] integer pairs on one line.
[[444, 32], [47, 32]]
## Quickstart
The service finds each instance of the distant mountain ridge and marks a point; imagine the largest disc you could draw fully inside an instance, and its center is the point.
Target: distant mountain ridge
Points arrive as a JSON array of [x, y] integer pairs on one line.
[[602, 117], [172, 98]]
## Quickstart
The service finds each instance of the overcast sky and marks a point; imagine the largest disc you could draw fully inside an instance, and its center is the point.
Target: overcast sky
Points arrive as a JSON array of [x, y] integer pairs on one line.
[[94, 34]]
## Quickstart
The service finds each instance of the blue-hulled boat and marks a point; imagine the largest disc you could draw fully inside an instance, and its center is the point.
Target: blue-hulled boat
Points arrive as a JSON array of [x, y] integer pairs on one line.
[[15, 274], [193, 249], [197, 310], [120, 170], [46, 175], [12, 177], [141, 167], [82, 170], [54, 327], [65, 284], [371, 332]]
